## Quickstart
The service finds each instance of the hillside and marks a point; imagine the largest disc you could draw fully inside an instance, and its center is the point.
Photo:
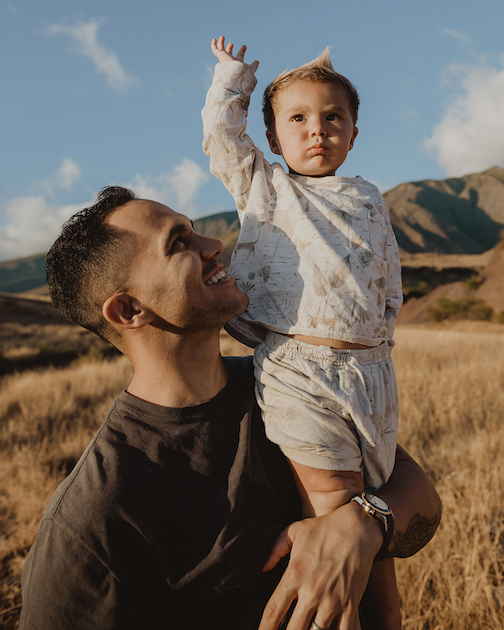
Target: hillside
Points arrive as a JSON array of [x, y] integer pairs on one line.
[[462, 215], [488, 287], [26, 274], [437, 224], [22, 274]]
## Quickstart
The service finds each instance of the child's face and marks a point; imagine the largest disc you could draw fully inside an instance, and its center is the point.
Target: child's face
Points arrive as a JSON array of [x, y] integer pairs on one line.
[[314, 129]]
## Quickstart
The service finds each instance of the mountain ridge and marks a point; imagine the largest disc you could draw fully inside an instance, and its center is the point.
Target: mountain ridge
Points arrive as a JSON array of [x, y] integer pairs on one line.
[[454, 216]]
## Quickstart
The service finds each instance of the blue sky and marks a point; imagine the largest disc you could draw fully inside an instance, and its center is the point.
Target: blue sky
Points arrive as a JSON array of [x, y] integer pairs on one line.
[[107, 92]]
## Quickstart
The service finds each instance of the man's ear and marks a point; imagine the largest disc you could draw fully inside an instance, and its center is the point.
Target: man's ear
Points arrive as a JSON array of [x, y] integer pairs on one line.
[[124, 311], [273, 142]]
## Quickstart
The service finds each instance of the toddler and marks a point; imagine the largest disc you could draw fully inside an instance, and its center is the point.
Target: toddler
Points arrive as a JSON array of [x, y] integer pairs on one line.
[[319, 261]]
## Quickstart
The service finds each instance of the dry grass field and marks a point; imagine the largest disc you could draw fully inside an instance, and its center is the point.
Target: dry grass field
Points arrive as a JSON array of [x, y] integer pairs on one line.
[[451, 384]]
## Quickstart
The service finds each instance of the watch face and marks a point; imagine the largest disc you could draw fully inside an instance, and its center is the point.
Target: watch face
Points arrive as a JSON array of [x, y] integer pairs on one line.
[[378, 503]]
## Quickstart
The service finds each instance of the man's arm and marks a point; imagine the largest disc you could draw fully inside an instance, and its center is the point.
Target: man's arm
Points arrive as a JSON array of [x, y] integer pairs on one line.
[[415, 503], [332, 556]]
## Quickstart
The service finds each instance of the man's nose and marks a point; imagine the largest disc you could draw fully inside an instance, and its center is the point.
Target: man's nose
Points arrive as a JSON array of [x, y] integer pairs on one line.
[[210, 247]]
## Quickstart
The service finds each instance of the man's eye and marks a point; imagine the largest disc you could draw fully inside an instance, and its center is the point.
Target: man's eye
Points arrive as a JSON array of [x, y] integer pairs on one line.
[[176, 242]]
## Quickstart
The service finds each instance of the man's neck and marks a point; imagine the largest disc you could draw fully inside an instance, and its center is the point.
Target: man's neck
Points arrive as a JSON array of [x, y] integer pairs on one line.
[[181, 372]]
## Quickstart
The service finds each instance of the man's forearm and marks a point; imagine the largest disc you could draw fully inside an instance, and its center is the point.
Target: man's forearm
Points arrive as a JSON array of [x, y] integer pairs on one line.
[[415, 503]]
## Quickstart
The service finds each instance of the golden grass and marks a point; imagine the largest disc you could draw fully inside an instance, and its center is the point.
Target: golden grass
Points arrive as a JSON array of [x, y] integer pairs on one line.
[[452, 401], [451, 389]]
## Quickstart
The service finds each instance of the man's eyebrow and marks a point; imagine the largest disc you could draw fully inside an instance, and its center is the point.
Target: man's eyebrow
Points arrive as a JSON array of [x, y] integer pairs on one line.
[[176, 230]]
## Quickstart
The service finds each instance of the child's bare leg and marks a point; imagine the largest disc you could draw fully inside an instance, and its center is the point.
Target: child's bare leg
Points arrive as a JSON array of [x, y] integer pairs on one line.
[[323, 491]]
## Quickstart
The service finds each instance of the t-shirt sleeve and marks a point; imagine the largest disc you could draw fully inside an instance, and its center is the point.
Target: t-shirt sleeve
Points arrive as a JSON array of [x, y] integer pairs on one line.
[[65, 586]]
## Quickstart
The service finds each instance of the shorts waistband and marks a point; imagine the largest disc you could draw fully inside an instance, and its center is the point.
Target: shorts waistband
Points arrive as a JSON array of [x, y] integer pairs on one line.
[[295, 347]]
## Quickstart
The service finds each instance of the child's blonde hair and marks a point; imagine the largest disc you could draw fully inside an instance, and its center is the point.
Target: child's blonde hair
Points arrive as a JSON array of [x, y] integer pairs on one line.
[[320, 69]]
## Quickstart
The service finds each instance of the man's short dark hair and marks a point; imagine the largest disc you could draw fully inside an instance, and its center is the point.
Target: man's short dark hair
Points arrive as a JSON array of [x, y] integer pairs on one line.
[[87, 262]]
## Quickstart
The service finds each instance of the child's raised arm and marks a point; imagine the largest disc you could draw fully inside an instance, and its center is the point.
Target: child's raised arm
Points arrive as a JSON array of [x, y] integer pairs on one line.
[[225, 53]]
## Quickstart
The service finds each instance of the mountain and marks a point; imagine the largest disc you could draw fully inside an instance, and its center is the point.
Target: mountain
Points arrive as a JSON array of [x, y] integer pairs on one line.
[[489, 288], [22, 274], [459, 215], [26, 274]]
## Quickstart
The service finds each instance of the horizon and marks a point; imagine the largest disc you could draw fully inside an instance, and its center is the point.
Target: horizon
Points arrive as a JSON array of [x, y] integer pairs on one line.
[[225, 211], [113, 94]]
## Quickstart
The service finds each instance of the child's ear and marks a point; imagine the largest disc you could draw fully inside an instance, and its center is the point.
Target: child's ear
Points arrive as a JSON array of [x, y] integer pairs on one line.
[[355, 132], [273, 143], [124, 311]]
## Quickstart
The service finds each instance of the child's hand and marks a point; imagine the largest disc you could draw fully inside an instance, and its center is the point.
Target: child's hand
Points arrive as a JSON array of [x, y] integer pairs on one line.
[[225, 53]]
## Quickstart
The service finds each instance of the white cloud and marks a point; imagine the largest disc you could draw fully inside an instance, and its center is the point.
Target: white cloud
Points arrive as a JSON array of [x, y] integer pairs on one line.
[[177, 189], [65, 177], [460, 37], [470, 136], [105, 61], [68, 173], [30, 224]]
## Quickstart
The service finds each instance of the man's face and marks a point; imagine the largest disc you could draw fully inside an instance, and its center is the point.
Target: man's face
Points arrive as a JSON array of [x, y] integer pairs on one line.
[[174, 271], [314, 129]]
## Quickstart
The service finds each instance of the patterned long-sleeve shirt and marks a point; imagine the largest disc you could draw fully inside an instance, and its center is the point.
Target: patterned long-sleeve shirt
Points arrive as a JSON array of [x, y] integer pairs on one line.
[[316, 255]]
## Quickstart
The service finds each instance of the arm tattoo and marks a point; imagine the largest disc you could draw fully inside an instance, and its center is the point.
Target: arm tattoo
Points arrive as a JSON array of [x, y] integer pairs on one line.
[[418, 533]]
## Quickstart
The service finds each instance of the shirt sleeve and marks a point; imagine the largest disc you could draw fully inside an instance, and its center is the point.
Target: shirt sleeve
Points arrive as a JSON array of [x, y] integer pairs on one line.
[[65, 586], [393, 293], [231, 151]]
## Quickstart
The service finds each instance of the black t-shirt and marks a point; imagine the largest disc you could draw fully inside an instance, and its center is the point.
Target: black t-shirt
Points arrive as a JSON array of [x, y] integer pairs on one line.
[[166, 520]]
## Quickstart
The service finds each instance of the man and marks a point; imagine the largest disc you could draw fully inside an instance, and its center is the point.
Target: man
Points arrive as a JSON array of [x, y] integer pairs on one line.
[[169, 517]]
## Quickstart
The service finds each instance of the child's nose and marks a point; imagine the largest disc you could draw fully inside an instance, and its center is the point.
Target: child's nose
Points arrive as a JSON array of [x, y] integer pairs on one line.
[[318, 128]]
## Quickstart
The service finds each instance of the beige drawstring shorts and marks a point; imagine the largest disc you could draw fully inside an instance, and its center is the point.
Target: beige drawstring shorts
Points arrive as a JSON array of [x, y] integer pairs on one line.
[[329, 409]]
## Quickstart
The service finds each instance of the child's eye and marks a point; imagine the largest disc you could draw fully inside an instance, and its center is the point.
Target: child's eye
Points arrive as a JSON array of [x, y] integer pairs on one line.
[[331, 117], [298, 117]]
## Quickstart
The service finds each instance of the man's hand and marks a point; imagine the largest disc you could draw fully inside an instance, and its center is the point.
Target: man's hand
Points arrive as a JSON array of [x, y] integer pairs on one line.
[[225, 53], [328, 570], [332, 555]]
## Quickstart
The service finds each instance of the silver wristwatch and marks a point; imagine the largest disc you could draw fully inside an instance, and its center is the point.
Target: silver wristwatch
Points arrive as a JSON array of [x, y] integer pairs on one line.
[[378, 509]]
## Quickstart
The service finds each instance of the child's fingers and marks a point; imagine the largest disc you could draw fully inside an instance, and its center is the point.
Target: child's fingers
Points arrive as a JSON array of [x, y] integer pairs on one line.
[[241, 53], [218, 44]]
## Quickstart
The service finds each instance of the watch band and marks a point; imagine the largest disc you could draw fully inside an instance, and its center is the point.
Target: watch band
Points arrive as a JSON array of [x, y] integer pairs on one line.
[[383, 514]]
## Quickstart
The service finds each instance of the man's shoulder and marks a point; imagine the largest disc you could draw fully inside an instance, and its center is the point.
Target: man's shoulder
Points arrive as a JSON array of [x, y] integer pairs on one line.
[[85, 493], [240, 367]]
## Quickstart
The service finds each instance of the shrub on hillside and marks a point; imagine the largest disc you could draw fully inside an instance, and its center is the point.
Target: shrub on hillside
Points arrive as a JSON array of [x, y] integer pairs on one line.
[[473, 282], [466, 308]]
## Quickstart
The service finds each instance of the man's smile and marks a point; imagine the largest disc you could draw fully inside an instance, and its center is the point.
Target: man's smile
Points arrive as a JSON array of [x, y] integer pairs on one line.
[[217, 277]]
